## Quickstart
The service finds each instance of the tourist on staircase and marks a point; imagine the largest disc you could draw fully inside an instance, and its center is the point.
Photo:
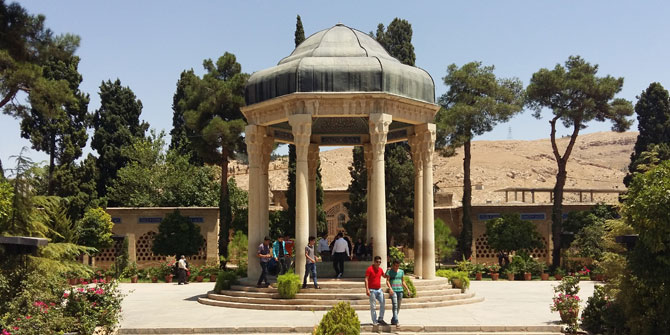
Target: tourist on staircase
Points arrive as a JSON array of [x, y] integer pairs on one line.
[[395, 280], [340, 253], [280, 255], [310, 263], [264, 253], [374, 290]]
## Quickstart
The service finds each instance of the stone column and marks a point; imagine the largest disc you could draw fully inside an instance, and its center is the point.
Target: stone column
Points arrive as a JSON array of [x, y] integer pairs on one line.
[[302, 130], [428, 262], [367, 155], [415, 142], [379, 126], [313, 162], [266, 151], [254, 139]]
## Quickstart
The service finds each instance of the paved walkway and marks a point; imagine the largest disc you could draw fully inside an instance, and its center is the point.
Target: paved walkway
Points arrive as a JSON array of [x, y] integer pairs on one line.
[[507, 303]]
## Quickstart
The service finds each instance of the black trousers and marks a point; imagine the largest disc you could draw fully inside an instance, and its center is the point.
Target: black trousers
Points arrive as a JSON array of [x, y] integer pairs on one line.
[[264, 273], [338, 262], [181, 276], [284, 264]]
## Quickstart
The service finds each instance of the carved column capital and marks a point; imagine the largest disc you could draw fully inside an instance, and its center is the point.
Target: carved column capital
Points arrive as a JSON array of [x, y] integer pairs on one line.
[[428, 134], [301, 124], [254, 136], [379, 127], [313, 160]]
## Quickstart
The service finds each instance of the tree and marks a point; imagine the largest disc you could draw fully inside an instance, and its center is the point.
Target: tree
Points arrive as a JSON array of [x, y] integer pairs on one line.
[[358, 196], [445, 244], [95, 229], [397, 40], [2, 172], [645, 292], [58, 119], [299, 32], [475, 103], [177, 235], [653, 117], [239, 200], [510, 233], [576, 96], [214, 116], [116, 123], [6, 195], [179, 135]]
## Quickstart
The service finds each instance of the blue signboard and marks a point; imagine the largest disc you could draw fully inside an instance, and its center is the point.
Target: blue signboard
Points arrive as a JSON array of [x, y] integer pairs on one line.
[[533, 216], [116, 220], [196, 219], [488, 216], [150, 220]]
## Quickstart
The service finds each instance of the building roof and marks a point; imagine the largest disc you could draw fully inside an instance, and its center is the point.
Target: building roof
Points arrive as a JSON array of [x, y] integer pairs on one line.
[[340, 59]]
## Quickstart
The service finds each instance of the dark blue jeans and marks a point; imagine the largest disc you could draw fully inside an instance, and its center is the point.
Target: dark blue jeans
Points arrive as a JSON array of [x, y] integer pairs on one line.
[[264, 274], [310, 268]]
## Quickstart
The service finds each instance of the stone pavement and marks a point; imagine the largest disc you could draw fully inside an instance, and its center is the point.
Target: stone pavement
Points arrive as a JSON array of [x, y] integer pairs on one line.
[[517, 303]]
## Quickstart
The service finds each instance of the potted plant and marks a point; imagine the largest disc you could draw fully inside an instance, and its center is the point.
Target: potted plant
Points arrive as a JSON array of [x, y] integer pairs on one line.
[[109, 274], [559, 273], [197, 271], [131, 272], [154, 273], [493, 271], [528, 268], [509, 272], [542, 269], [478, 269]]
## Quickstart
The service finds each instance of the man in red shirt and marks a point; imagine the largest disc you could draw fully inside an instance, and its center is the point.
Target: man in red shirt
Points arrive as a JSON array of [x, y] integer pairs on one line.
[[374, 290]]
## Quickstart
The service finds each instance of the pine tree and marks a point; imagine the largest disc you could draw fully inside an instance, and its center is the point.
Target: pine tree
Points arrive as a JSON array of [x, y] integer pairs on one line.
[[358, 196], [475, 102], [116, 124], [653, 117], [576, 96], [214, 116], [299, 32]]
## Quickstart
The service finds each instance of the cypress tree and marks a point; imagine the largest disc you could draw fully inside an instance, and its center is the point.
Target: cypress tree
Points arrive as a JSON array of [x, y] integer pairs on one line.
[[653, 117], [179, 135]]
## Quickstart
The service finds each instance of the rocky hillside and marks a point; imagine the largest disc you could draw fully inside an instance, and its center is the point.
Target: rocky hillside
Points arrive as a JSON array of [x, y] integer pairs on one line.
[[599, 160]]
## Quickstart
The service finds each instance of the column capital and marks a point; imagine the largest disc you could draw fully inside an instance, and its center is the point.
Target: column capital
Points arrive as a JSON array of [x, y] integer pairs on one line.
[[254, 136], [313, 160], [416, 149], [428, 134], [301, 125], [266, 150], [379, 127]]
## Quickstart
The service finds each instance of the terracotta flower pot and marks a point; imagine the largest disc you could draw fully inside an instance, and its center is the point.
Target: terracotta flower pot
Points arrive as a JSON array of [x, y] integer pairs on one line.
[[168, 278], [494, 276], [199, 279], [72, 281], [510, 276], [558, 277], [527, 276], [154, 279], [544, 276], [133, 279], [478, 276], [212, 278]]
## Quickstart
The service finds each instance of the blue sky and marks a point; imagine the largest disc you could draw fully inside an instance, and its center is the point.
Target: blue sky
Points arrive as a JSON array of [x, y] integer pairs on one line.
[[146, 44]]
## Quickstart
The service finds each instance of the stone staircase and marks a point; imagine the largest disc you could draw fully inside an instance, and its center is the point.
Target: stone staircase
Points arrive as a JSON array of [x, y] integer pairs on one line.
[[430, 293], [365, 330]]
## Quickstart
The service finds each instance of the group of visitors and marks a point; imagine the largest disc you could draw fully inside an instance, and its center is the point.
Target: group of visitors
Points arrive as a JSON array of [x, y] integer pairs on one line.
[[340, 251]]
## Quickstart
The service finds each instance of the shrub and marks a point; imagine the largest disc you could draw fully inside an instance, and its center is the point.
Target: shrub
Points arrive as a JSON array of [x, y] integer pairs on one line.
[[511, 233], [288, 285], [566, 301], [177, 235], [593, 317], [459, 275], [410, 286], [225, 280], [95, 229], [342, 319]]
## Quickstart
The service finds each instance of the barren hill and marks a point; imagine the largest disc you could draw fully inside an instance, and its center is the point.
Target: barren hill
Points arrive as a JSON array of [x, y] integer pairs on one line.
[[598, 160]]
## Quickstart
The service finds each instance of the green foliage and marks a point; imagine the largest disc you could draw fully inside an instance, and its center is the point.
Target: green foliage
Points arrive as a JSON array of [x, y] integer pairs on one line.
[[238, 248], [568, 285], [396, 254], [566, 301], [299, 31], [239, 200], [121, 262], [22, 221], [155, 178], [653, 123], [599, 213], [399, 186], [576, 96], [279, 223], [6, 196], [224, 280], [397, 40], [288, 285], [590, 241], [342, 319], [475, 103], [179, 135], [211, 106], [116, 124], [461, 277], [410, 286], [131, 270], [358, 196], [594, 314], [510, 233], [445, 243], [177, 236], [95, 229]]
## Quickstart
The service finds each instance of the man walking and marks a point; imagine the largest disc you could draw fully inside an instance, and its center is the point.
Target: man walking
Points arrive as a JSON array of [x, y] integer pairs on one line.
[[340, 252], [324, 249], [279, 253], [396, 282], [310, 263], [264, 253], [374, 290], [181, 270]]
